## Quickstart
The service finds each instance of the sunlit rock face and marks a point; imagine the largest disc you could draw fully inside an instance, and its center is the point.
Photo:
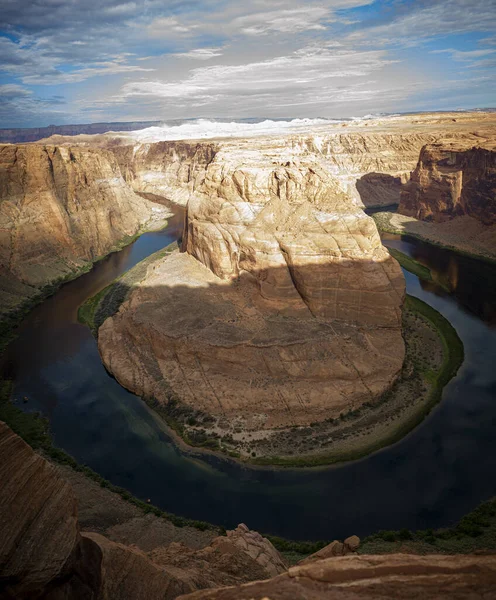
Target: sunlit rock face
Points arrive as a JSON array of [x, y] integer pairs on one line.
[[60, 209], [453, 179], [170, 169], [282, 309], [294, 230]]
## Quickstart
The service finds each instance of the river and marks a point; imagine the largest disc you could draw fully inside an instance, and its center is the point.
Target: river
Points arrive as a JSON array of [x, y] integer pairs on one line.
[[442, 470]]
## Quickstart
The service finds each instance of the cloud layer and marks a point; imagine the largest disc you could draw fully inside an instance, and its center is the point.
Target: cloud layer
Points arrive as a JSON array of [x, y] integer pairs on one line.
[[73, 61]]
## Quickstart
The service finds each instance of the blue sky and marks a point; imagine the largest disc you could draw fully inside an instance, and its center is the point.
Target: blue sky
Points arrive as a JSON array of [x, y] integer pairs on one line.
[[80, 61]]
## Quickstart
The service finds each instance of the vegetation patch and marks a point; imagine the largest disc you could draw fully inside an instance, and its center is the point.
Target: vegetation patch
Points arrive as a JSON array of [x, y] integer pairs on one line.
[[410, 264], [476, 531], [107, 301]]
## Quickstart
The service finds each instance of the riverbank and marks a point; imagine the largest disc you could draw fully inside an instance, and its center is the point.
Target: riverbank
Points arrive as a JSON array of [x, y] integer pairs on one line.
[[463, 235], [11, 318], [96, 309], [354, 434]]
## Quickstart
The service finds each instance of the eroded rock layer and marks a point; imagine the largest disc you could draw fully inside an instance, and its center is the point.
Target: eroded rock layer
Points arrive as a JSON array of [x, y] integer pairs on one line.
[[453, 179], [398, 576], [283, 309], [60, 209]]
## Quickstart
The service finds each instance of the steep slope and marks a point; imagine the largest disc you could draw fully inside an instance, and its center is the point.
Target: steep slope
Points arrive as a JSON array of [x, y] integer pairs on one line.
[[43, 554], [453, 179], [60, 209]]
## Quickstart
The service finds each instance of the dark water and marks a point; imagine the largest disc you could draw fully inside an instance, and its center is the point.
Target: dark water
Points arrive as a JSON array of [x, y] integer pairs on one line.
[[430, 479]]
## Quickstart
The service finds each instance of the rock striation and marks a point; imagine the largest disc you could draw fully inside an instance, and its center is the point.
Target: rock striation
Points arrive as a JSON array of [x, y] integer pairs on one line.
[[398, 576], [43, 554], [60, 209], [453, 179], [283, 309]]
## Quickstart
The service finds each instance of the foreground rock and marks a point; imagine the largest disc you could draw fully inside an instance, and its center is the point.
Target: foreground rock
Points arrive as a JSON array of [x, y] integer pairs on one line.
[[453, 179], [284, 308], [396, 576], [44, 554], [60, 209]]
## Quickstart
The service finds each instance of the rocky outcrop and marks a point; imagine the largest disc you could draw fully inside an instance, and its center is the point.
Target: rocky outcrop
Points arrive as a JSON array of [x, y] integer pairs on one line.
[[284, 308], [60, 209], [170, 169], [335, 548], [43, 554], [380, 189], [38, 520], [379, 577], [453, 179]]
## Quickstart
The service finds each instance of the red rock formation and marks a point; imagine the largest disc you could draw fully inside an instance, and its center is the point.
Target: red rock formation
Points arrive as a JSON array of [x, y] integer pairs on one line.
[[453, 179], [398, 576], [44, 555]]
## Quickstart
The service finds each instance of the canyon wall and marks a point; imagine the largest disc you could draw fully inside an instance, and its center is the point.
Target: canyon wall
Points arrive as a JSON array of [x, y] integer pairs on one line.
[[453, 179], [43, 553], [370, 166], [170, 169], [60, 209]]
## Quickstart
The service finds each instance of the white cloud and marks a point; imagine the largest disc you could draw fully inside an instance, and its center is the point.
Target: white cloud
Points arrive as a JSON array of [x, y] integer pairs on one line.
[[444, 17], [284, 20], [13, 90], [464, 55], [200, 53]]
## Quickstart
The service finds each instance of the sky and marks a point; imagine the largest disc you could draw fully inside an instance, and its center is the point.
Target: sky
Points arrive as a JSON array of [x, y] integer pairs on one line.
[[83, 61]]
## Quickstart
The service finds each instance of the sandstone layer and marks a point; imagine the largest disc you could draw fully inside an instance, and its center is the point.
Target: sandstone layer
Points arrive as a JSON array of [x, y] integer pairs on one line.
[[283, 308], [453, 179], [397, 576], [60, 209]]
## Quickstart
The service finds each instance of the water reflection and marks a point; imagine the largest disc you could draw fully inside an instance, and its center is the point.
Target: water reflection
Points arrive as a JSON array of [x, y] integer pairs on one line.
[[470, 281]]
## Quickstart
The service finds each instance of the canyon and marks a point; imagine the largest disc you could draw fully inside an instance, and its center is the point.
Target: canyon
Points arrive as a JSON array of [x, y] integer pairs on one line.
[[279, 310], [282, 310]]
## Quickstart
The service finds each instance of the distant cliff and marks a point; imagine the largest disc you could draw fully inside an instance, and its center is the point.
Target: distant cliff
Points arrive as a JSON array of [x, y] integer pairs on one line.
[[453, 179], [60, 209], [14, 136]]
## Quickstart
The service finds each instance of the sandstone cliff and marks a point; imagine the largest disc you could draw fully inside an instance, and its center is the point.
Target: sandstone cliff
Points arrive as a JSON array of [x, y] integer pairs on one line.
[[60, 209], [453, 179], [283, 309], [370, 158], [43, 554]]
